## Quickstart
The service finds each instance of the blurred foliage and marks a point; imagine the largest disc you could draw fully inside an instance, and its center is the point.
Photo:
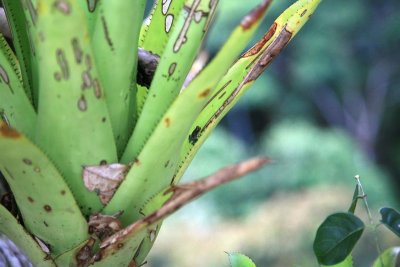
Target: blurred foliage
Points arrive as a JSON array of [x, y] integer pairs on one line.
[[304, 156]]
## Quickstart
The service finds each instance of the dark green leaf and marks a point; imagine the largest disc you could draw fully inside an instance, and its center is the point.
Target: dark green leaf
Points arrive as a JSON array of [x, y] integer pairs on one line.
[[336, 237], [391, 218]]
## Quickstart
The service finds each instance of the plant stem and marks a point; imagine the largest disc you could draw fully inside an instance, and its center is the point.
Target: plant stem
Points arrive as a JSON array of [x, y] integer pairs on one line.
[[371, 221]]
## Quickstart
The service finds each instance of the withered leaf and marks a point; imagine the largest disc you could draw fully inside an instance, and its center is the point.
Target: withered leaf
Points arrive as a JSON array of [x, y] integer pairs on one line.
[[104, 179]]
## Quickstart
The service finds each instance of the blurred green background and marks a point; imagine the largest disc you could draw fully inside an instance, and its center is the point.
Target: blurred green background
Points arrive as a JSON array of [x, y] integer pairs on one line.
[[325, 110]]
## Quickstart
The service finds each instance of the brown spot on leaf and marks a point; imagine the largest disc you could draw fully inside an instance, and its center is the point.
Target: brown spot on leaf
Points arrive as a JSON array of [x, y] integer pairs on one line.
[[27, 161], [137, 162], [166, 164], [97, 88], [8, 132], [45, 224], [47, 208], [303, 13], [62, 192], [167, 122], [259, 45], [120, 245], [205, 93], [255, 15], [171, 69], [82, 105], [30, 199], [103, 119]]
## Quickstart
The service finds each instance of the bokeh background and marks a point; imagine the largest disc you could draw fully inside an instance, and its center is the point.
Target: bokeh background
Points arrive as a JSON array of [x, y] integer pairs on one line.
[[325, 110]]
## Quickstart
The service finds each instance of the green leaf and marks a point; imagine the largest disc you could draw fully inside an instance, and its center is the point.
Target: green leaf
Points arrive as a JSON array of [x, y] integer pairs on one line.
[[336, 237], [389, 258], [348, 262], [16, 232], [391, 219], [47, 205], [21, 28], [74, 126], [15, 107], [175, 63], [115, 49], [241, 76], [240, 260]]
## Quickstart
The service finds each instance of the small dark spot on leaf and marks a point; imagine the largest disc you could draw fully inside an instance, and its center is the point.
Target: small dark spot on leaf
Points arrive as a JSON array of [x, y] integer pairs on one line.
[[30, 199], [166, 164], [47, 208], [120, 245], [27, 161], [103, 162], [82, 105], [45, 223], [137, 161], [303, 13], [194, 136], [167, 122], [103, 119], [205, 93], [62, 192]]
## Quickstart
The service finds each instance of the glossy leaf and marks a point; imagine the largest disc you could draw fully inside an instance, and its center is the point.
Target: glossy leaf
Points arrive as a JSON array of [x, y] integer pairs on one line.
[[115, 50], [47, 206], [240, 260], [336, 237], [15, 107], [16, 232], [73, 127], [389, 258], [391, 219]]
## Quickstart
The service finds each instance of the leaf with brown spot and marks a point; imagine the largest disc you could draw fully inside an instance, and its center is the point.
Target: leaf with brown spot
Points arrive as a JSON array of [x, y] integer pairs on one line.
[[132, 235], [104, 179], [37, 194]]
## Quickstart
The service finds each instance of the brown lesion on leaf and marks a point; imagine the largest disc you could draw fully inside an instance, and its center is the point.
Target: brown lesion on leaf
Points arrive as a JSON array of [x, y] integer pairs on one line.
[[303, 13], [167, 122], [27, 161], [255, 15], [205, 93], [62, 192], [30, 199], [260, 44], [47, 208], [269, 54], [104, 226], [107, 33], [8, 132]]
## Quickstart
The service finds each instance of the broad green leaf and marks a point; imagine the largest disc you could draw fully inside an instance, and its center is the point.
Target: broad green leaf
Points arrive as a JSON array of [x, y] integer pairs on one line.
[[348, 262], [175, 63], [74, 126], [16, 232], [114, 46], [15, 107], [389, 258], [47, 205], [240, 260], [391, 219], [241, 76], [336, 237], [354, 200], [150, 174], [20, 29]]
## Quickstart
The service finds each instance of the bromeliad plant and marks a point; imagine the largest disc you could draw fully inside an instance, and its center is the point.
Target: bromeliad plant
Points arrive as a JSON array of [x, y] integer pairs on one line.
[[93, 156]]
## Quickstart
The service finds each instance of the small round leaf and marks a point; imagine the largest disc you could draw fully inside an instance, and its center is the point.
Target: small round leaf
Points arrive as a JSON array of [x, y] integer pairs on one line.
[[391, 218], [336, 237]]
